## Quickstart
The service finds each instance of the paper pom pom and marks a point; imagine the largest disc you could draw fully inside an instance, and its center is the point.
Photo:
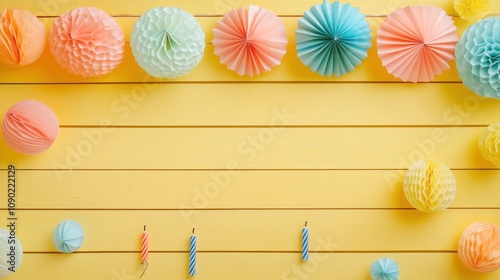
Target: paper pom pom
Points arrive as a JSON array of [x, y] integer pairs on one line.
[[250, 42], [87, 42], [472, 10], [479, 247], [384, 269], [333, 38], [167, 42], [478, 57], [416, 43], [429, 185], [489, 143], [6, 253], [22, 37], [68, 236], [30, 127]]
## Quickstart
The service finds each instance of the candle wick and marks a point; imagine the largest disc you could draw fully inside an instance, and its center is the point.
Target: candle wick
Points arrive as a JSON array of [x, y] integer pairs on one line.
[[305, 224], [145, 263], [144, 227], [193, 230]]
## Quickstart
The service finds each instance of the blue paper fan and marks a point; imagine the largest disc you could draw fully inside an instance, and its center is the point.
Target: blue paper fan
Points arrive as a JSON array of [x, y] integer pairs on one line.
[[333, 38]]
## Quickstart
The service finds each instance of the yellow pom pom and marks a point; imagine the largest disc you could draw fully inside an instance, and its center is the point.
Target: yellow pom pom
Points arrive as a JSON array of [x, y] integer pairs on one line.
[[472, 10], [429, 185], [489, 143]]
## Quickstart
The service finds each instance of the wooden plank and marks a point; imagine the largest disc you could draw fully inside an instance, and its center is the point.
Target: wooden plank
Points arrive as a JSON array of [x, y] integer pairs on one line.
[[337, 164], [243, 266], [255, 104], [246, 190], [281, 7], [253, 148], [255, 231], [210, 68]]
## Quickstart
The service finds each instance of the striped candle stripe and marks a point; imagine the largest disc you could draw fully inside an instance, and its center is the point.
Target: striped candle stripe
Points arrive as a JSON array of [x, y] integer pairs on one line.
[[192, 255], [305, 243]]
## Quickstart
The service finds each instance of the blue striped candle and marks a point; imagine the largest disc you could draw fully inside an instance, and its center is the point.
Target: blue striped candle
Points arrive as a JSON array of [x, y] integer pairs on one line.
[[192, 255], [305, 243]]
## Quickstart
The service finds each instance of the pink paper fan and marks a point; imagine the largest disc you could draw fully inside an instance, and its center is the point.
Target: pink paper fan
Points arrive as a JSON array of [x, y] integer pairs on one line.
[[416, 43], [250, 42]]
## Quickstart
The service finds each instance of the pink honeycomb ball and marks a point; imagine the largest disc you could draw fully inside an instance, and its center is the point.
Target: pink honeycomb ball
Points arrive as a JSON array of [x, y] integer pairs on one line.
[[30, 127], [87, 42]]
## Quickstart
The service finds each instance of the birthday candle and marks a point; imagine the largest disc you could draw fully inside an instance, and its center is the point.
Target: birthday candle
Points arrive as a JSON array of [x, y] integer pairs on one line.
[[305, 243], [192, 255], [144, 246]]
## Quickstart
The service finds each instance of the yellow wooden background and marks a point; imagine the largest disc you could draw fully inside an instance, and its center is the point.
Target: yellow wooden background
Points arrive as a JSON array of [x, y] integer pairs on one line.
[[246, 161]]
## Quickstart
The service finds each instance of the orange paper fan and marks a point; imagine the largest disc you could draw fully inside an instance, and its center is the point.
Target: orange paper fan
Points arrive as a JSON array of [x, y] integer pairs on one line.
[[416, 43], [22, 37], [250, 42]]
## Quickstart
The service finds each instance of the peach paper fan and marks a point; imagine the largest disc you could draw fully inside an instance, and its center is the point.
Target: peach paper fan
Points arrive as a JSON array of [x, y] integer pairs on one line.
[[251, 41], [415, 43]]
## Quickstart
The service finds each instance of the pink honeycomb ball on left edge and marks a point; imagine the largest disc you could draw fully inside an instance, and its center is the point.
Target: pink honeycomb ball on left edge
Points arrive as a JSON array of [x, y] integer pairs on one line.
[[87, 42], [30, 127]]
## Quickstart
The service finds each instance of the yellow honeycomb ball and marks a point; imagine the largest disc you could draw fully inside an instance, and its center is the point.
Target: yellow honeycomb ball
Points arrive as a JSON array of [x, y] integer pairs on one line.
[[489, 143], [429, 185]]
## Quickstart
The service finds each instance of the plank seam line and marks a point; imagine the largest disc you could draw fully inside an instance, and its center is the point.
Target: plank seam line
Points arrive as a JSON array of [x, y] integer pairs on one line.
[[221, 15], [283, 126], [242, 170], [249, 252], [247, 209], [225, 82]]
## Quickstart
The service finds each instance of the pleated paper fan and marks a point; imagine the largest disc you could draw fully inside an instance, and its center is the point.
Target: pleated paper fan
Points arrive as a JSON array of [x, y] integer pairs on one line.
[[333, 38], [251, 41], [415, 43]]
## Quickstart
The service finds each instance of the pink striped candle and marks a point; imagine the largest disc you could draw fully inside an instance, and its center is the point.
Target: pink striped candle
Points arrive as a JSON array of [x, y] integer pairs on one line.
[[144, 246]]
